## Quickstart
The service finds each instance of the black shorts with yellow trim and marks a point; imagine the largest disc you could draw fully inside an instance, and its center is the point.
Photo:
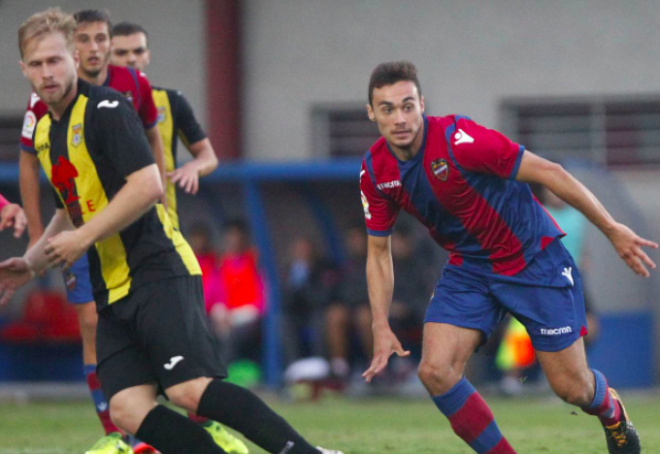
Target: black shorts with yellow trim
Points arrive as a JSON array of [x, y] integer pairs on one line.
[[157, 334]]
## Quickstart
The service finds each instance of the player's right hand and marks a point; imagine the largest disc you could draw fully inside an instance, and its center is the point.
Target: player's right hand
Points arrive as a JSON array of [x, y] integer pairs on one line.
[[385, 344], [14, 274]]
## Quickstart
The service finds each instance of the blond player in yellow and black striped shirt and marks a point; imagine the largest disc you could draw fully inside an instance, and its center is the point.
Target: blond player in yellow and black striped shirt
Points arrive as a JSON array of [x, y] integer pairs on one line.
[[151, 335], [175, 118]]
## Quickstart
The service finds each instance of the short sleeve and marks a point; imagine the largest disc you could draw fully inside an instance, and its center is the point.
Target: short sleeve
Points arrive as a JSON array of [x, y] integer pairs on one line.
[[379, 212], [147, 108], [483, 150], [119, 133], [188, 127], [36, 109]]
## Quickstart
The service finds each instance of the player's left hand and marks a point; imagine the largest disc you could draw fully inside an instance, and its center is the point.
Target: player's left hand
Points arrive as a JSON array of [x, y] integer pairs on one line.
[[187, 176], [65, 248], [12, 215], [629, 247], [14, 273]]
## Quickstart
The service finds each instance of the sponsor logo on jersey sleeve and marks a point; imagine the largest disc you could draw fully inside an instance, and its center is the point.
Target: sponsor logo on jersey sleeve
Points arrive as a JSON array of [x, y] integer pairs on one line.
[[462, 137], [108, 104], [365, 205], [34, 98], [29, 122]]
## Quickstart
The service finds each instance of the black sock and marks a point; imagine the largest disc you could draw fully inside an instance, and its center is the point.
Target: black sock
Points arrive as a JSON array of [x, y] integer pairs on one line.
[[243, 411], [172, 433]]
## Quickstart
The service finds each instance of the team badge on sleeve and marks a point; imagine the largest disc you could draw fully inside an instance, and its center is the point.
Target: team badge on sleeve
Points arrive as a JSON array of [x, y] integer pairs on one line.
[[29, 122], [76, 138], [440, 169], [365, 206]]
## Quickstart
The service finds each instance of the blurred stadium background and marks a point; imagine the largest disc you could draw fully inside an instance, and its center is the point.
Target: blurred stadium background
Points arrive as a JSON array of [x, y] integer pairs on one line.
[[280, 87]]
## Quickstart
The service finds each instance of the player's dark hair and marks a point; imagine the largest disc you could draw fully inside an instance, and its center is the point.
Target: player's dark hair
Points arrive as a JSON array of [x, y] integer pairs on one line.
[[391, 72], [87, 16], [128, 29]]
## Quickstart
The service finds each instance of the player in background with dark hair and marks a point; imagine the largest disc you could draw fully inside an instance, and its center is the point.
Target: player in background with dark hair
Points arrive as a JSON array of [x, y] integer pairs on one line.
[[92, 41], [152, 336], [130, 48], [12, 216], [469, 186]]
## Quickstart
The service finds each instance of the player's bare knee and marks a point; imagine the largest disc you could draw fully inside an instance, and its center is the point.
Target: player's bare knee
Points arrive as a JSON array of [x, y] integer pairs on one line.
[[188, 394], [87, 317], [574, 390], [124, 416], [336, 315], [437, 378]]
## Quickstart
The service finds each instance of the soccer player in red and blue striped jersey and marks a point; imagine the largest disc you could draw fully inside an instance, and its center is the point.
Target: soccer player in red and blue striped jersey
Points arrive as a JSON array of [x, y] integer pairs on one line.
[[469, 186]]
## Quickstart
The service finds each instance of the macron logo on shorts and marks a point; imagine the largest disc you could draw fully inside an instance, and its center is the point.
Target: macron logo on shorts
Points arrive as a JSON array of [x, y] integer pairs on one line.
[[556, 331], [568, 273], [173, 362]]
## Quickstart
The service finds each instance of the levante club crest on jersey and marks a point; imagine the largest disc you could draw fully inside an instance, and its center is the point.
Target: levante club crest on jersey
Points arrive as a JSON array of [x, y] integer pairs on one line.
[[76, 136], [440, 169]]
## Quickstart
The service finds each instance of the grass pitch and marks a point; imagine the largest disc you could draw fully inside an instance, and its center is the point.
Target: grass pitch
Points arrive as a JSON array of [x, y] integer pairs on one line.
[[369, 426]]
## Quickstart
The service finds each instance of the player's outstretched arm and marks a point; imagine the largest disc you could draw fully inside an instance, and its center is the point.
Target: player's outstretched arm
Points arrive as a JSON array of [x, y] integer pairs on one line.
[[142, 189], [380, 278], [28, 166], [628, 244], [205, 162], [18, 271]]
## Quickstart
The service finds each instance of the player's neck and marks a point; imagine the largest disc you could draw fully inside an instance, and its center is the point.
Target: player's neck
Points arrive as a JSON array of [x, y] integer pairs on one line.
[[58, 109], [409, 152], [98, 79]]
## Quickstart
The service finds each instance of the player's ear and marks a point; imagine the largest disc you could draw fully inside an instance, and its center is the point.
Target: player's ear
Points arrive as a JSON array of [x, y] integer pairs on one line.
[[370, 113], [421, 103], [76, 58], [23, 68]]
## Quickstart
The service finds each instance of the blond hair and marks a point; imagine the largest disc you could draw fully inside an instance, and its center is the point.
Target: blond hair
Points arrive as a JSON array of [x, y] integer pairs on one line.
[[52, 20]]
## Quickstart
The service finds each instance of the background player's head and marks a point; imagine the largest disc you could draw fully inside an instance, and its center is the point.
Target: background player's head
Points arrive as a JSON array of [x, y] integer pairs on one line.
[[92, 39], [236, 237], [396, 103], [130, 46], [48, 56]]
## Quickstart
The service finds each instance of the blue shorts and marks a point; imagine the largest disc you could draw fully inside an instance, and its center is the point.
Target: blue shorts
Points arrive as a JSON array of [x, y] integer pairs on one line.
[[546, 297], [77, 282]]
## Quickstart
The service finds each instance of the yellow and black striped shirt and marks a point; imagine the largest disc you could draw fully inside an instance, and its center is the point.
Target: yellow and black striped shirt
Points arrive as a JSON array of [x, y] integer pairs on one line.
[[87, 156], [175, 118]]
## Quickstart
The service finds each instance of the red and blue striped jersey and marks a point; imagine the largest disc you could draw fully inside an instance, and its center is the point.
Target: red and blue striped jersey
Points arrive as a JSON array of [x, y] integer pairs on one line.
[[462, 186]]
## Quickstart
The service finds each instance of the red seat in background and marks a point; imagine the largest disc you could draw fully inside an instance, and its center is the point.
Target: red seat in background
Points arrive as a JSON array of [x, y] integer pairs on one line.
[[46, 317]]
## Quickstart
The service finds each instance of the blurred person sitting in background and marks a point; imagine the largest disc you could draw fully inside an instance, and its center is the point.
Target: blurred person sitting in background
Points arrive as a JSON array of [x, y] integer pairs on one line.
[[200, 238], [349, 313], [309, 287], [237, 301], [412, 291]]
